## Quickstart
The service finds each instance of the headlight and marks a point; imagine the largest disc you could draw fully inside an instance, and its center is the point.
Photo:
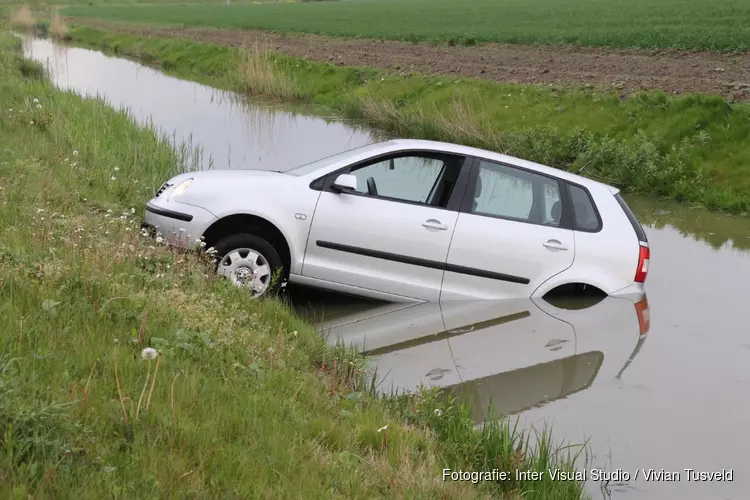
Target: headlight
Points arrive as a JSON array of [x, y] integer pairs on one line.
[[180, 189]]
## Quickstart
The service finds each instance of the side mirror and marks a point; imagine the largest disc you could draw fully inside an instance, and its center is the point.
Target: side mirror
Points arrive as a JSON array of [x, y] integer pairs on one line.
[[345, 183]]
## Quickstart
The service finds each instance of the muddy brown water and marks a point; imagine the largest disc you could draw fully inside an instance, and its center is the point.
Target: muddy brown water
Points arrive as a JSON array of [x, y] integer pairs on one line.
[[675, 398]]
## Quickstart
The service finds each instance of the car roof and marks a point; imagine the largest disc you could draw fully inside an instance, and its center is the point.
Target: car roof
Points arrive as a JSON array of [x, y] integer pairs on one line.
[[406, 144]]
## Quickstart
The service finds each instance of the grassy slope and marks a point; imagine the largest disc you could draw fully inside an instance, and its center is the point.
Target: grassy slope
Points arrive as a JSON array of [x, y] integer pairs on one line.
[[691, 148], [682, 24], [248, 401]]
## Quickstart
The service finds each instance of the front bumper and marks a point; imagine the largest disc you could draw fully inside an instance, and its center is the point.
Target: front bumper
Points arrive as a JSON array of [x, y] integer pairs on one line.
[[181, 225]]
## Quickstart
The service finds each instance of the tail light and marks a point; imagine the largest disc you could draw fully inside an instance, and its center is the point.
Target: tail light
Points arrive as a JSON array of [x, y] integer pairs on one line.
[[644, 317], [643, 257]]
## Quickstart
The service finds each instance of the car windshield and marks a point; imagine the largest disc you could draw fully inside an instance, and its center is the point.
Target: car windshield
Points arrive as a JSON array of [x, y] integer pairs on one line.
[[313, 166]]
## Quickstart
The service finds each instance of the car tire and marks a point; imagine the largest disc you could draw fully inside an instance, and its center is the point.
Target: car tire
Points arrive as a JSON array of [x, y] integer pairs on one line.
[[250, 261]]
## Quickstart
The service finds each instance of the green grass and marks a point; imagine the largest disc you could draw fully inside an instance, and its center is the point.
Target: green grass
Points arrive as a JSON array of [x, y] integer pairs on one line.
[[680, 24], [245, 400], [691, 148]]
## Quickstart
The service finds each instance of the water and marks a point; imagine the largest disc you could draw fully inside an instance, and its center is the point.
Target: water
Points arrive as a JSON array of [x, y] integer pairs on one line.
[[232, 132], [675, 398]]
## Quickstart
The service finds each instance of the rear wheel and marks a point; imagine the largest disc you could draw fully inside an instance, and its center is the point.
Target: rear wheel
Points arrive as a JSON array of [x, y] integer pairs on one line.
[[250, 262]]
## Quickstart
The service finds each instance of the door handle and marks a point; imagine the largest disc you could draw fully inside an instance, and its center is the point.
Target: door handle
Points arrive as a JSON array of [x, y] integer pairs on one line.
[[435, 224], [554, 245]]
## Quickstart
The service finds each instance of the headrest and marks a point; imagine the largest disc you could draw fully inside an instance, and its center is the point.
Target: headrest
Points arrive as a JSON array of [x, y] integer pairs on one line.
[[556, 211]]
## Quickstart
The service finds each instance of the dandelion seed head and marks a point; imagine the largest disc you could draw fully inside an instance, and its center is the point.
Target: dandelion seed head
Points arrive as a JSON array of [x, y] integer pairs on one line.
[[149, 353], [75, 152]]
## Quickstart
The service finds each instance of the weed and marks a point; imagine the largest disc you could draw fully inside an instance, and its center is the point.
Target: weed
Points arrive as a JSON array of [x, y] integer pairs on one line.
[[58, 27], [22, 19], [260, 75]]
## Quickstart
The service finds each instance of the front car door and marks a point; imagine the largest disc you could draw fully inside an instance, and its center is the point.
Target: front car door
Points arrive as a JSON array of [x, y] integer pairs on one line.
[[390, 236], [511, 235]]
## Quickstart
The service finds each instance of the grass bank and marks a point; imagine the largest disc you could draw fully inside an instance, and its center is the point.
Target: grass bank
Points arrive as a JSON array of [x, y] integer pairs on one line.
[[691, 148], [676, 24], [244, 400]]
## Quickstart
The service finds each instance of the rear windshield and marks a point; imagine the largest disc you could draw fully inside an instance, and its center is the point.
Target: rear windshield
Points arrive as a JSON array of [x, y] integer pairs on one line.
[[633, 220]]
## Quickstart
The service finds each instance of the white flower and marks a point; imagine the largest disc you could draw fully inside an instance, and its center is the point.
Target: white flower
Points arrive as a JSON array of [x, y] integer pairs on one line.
[[159, 239], [132, 210], [117, 169], [75, 152], [31, 122], [36, 100], [270, 350], [38, 106], [294, 333], [438, 412], [385, 427], [114, 178], [75, 163], [67, 160], [149, 353]]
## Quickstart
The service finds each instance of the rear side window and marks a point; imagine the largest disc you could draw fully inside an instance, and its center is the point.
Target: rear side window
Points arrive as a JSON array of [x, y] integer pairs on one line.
[[585, 216], [632, 218]]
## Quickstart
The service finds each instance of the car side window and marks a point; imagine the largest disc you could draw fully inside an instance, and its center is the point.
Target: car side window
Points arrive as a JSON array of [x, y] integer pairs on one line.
[[585, 216], [511, 193], [410, 178]]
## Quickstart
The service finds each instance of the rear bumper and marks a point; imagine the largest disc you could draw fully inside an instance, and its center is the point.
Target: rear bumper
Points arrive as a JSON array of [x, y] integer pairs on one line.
[[179, 224]]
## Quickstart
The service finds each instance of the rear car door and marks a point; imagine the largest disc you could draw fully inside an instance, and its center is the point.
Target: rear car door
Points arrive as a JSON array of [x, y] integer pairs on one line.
[[511, 235], [392, 234]]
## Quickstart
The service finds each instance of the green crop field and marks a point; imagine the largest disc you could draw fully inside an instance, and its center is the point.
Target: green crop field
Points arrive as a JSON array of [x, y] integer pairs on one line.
[[722, 25]]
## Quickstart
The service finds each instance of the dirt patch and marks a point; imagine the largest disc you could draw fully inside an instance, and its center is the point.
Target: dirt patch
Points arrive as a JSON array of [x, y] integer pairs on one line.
[[674, 72]]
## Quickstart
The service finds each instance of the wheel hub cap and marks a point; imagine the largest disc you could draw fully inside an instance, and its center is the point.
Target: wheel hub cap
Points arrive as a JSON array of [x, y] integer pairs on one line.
[[246, 268]]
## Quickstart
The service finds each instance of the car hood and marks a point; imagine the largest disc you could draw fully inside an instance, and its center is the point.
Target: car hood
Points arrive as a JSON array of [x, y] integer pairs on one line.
[[226, 175]]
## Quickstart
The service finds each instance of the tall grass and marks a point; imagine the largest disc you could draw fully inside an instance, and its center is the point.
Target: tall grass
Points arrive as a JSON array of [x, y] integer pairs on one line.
[[241, 400], [22, 18], [259, 75], [58, 27]]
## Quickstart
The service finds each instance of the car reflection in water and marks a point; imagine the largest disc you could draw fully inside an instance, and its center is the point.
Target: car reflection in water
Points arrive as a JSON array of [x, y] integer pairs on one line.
[[515, 354]]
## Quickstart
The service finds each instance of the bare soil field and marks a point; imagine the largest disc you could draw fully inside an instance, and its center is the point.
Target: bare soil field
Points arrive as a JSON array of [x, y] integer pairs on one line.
[[674, 72]]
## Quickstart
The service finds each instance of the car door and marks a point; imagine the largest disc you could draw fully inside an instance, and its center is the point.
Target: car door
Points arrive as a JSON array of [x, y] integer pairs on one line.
[[391, 234], [510, 236]]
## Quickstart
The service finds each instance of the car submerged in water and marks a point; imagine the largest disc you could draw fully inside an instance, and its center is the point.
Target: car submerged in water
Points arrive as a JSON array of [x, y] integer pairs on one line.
[[409, 220]]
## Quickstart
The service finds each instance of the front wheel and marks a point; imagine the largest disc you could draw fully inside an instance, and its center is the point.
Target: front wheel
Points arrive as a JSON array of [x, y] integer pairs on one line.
[[250, 262]]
